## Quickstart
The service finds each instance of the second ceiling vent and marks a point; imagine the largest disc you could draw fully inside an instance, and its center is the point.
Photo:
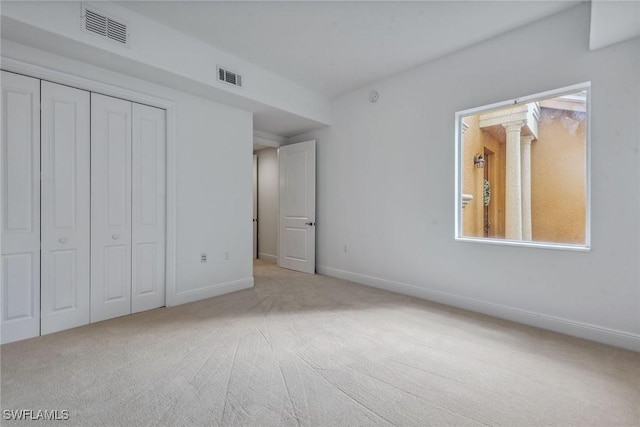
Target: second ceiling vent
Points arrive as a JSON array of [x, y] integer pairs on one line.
[[229, 77]]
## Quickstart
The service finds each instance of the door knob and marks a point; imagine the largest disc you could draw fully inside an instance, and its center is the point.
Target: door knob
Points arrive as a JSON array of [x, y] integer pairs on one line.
[[310, 223], [62, 240], [115, 237]]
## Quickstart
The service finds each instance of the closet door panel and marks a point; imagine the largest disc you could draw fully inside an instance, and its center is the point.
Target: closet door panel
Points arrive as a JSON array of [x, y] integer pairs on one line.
[[148, 213], [110, 207], [20, 279], [65, 155]]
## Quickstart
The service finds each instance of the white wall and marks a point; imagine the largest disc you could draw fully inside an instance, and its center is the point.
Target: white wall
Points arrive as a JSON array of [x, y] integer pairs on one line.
[[386, 185], [214, 195], [268, 204], [213, 180], [613, 22]]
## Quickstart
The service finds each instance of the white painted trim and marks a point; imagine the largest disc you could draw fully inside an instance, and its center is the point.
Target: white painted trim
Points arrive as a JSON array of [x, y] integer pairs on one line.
[[267, 139], [587, 331], [459, 115], [59, 77], [169, 106], [529, 98], [213, 291], [460, 129], [542, 245], [171, 260], [273, 259], [269, 136]]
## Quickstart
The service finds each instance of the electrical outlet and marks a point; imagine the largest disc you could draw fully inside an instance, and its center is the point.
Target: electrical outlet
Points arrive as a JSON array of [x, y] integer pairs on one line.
[[226, 255], [203, 257]]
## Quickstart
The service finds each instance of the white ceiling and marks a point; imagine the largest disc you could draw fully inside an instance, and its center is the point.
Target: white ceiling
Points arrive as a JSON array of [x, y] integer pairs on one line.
[[337, 46]]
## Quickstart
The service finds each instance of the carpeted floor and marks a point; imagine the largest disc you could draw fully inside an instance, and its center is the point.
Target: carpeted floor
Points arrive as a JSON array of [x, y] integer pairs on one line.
[[317, 351]]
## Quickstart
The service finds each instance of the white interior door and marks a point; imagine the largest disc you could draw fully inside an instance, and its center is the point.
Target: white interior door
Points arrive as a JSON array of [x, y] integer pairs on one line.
[[65, 157], [20, 296], [148, 209], [255, 206], [297, 234], [110, 207]]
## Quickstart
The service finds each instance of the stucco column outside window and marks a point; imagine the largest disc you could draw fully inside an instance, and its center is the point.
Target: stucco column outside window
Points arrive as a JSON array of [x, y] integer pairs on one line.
[[526, 186], [513, 196]]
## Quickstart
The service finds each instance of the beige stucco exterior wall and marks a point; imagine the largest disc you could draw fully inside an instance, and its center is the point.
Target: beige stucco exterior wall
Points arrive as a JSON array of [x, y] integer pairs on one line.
[[475, 141], [558, 179], [472, 144]]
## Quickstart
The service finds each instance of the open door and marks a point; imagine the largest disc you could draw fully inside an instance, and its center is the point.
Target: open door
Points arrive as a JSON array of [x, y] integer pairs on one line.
[[255, 206], [296, 229]]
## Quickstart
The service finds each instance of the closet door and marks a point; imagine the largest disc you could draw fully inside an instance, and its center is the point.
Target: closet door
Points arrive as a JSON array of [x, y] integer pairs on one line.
[[20, 296], [110, 207], [148, 208], [65, 189]]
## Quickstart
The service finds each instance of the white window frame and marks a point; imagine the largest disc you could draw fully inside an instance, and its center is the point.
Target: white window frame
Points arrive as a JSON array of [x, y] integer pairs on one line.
[[459, 115]]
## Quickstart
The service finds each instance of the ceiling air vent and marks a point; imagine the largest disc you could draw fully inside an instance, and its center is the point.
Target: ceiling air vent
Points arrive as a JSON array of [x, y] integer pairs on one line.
[[229, 77], [99, 23]]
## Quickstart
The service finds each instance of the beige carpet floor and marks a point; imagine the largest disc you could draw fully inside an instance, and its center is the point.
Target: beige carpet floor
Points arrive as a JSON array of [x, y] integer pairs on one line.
[[317, 351]]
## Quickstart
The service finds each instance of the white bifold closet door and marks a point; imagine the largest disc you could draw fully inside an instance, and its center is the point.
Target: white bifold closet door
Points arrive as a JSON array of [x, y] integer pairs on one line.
[[65, 203], [148, 209], [128, 207], [20, 280], [110, 207]]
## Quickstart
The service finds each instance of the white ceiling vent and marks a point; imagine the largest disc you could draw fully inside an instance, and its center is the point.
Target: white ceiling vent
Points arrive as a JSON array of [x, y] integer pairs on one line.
[[97, 22], [229, 77]]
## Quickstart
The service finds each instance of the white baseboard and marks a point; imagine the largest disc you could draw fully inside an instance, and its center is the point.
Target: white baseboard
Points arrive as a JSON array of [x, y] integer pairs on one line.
[[587, 331], [212, 291], [268, 257]]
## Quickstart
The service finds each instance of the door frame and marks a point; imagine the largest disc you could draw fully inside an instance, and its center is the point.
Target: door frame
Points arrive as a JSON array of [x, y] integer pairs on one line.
[[38, 72], [270, 141]]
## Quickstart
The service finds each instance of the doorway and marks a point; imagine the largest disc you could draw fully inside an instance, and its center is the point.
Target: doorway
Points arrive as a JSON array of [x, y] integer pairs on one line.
[[265, 194], [284, 205]]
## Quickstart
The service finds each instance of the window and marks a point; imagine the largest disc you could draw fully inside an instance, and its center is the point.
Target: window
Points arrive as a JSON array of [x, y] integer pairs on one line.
[[522, 171]]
